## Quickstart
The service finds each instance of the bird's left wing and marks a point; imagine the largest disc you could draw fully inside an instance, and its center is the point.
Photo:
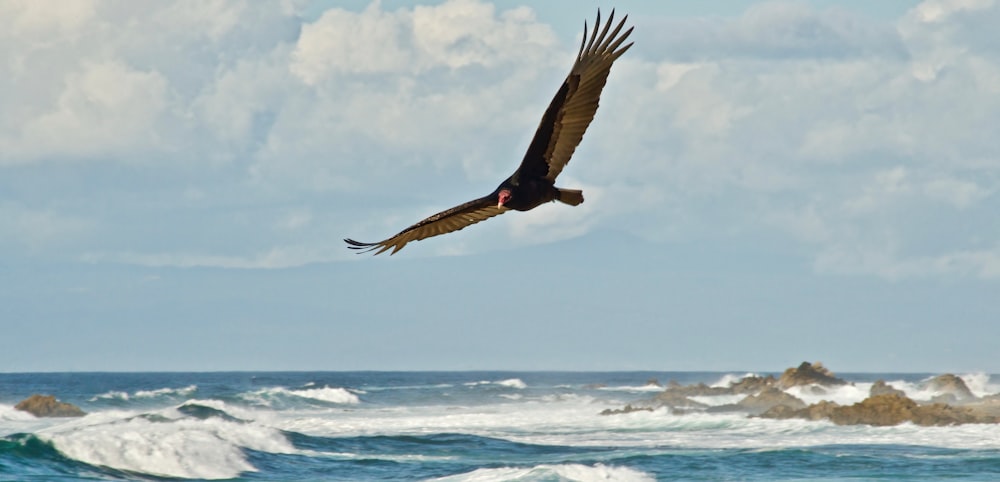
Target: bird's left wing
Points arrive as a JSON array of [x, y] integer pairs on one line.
[[443, 222], [574, 105]]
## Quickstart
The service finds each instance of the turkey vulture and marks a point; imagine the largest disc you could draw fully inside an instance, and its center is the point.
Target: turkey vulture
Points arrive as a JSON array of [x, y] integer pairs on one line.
[[558, 134]]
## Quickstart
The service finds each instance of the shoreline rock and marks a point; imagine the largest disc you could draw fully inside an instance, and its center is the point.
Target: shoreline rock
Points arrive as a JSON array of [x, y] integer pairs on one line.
[[886, 405], [809, 374], [48, 406], [886, 410]]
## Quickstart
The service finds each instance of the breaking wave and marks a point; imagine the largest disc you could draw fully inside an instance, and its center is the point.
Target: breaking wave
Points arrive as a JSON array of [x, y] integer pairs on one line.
[[569, 472], [335, 395], [141, 394]]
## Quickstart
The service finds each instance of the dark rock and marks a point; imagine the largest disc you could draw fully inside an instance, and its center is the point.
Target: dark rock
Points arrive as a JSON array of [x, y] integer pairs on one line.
[[752, 384], [882, 388], [808, 374], [48, 406], [949, 384], [699, 390], [652, 382], [673, 399], [767, 399], [889, 409], [627, 409], [880, 410]]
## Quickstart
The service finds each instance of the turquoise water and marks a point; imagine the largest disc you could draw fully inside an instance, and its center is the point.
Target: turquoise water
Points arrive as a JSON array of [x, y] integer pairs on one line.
[[466, 426]]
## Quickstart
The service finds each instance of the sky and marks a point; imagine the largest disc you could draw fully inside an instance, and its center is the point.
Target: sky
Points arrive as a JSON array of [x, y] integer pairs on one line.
[[766, 182]]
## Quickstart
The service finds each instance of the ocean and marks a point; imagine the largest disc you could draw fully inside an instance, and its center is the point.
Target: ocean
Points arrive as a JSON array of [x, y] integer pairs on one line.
[[458, 426]]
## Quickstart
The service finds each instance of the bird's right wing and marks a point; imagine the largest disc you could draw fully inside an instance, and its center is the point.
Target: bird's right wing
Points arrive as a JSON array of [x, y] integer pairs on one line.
[[574, 105], [443, 222]]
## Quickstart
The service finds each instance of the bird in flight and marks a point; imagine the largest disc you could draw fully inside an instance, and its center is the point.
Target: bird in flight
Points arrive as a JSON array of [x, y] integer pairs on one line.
[[559, 132]]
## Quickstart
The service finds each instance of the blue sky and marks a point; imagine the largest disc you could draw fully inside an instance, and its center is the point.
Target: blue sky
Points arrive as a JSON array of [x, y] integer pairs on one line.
[[767, 183]]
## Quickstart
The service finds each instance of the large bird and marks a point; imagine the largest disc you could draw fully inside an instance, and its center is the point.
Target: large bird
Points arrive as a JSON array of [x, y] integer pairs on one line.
[[558, 134]]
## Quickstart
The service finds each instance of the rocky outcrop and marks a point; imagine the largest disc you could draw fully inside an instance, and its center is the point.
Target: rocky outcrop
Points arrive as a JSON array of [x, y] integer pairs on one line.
[[675, 400], [627, 409], [764, 401], [808, 374], [48, 406], [952, 389], [882, 388], [766, 397], [887, 409]]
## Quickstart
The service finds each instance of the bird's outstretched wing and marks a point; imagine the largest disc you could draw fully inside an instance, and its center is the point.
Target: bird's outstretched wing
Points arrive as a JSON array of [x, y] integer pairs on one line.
[[574, 105], [443, 222]]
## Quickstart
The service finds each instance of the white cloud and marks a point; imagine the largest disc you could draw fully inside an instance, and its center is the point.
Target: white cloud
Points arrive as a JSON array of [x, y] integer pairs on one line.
[[869, 143], [105, 109]]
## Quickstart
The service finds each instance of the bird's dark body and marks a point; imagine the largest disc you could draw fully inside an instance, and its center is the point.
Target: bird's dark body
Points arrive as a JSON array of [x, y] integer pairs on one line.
[[559, 132], [528, 193]]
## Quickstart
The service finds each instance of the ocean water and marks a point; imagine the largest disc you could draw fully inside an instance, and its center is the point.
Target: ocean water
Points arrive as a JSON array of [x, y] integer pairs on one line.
[[457, 426]]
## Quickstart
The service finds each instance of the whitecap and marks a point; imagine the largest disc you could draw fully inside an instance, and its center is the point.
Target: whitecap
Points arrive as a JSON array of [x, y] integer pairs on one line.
[[729, 379], [980, 384], [183, 392], [650, 387], [328, 394], [513, 383], [572, 472], [509, 383], [169, 444], [125, 396], [843, 394]]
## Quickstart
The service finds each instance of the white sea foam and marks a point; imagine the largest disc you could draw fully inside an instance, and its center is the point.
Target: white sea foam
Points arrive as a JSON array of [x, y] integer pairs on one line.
[[729, 379], [649, 387], [513, 383], [509, 383], [980, 384], [328, 394], [844, 394], [338, 395], [8, 412], [576, 421], [119, 395], [568, 472], [172, 445], [716, 400]]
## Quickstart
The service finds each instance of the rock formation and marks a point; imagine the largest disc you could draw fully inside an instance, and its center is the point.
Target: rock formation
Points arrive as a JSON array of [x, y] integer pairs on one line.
[[882, 388], [627, 409], [48, 406], [808, 374], [886, 405], [887, 409], [952, 388]]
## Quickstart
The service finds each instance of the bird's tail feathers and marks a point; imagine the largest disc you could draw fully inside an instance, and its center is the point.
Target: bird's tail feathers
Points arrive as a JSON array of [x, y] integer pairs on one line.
[[573, 197]]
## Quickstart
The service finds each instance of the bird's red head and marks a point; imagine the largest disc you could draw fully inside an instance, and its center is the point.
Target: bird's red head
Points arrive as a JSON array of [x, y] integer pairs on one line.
[[504, 196]]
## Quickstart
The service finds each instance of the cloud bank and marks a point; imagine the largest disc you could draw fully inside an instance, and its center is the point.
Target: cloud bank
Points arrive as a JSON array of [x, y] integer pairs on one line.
[[248, 134]]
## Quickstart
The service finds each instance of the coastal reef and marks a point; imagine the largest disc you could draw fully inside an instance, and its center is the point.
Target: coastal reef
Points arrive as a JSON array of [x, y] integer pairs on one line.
[[951, 402]]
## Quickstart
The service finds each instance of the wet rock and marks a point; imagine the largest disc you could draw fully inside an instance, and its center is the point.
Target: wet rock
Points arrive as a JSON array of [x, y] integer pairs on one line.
[[887, 409], [882, 388], [627, 409], [762, 402], [808, 374], [768, 399], [48, 406], [752, 384], [673, 399], [949, 384]]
